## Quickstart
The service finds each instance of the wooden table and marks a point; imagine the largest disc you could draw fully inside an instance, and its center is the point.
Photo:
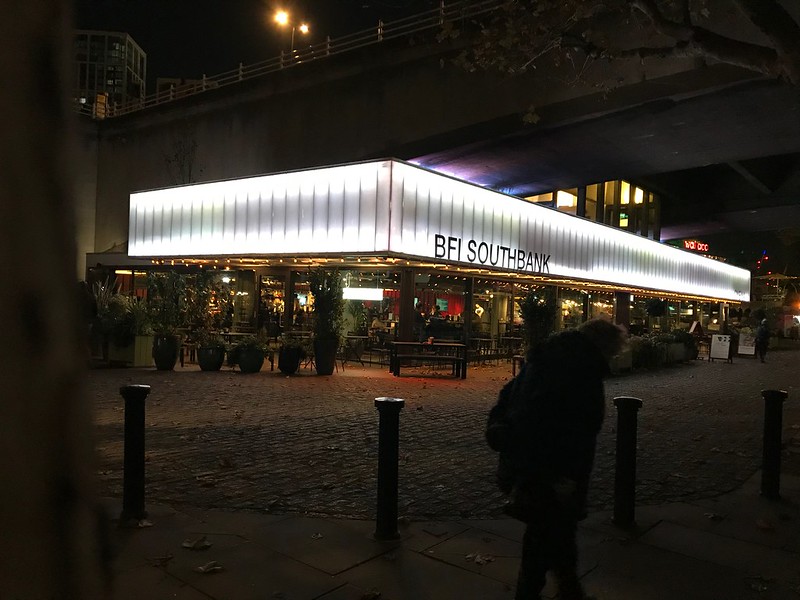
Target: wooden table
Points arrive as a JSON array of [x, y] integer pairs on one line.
[[433, 352]]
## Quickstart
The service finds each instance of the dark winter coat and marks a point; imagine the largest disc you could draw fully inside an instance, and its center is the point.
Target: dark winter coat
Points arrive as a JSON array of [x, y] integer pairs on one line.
[[546, 420]]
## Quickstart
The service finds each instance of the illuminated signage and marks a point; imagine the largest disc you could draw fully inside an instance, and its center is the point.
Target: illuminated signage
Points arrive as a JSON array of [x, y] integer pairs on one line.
[[695, 245], [389, 207], [495, 255]]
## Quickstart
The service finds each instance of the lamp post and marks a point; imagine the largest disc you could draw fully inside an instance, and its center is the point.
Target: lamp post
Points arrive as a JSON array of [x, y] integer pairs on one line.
[[282, 18]]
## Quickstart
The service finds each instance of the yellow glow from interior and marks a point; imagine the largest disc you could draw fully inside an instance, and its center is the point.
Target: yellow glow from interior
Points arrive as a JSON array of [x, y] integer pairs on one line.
[[638, 196], [625, 193], [565, 199]]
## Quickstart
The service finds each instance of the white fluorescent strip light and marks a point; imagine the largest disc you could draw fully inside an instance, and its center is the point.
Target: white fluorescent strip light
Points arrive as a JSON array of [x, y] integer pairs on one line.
[[350, 293]]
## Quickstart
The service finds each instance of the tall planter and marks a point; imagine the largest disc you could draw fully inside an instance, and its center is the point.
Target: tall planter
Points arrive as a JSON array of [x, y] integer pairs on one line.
[[326, 289], [210, 358], [289, 359], [325, 356], [250, 359], [165, 351], [137, 354]]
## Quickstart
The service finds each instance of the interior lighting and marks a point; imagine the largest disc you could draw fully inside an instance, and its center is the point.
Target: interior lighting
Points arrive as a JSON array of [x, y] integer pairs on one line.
[[565, 199], [351, 293]]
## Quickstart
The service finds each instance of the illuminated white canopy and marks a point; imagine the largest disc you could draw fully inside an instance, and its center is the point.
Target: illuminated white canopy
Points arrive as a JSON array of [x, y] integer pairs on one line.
[[394, 208]]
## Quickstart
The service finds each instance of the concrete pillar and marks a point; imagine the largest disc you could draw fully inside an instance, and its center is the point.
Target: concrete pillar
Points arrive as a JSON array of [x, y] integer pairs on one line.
[[580, 209], [622, 308], [405, 312], [288, 299]]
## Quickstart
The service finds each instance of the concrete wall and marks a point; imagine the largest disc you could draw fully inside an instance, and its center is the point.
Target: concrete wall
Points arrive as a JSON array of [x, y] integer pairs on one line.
[[396, 101]]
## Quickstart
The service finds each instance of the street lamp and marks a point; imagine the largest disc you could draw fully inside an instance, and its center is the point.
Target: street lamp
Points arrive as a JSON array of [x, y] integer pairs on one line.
[[282, 18]]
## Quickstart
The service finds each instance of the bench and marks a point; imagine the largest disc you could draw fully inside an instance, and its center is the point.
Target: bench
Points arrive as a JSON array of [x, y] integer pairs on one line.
[[458, 362], [429, 352]]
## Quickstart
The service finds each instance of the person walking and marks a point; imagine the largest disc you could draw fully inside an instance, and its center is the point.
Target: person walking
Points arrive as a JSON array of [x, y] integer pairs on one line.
[[762, 340], [545, 427]]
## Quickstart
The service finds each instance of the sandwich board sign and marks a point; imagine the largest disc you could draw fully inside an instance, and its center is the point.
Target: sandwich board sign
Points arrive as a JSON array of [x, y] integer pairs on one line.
[[720, 347], [747, 344]]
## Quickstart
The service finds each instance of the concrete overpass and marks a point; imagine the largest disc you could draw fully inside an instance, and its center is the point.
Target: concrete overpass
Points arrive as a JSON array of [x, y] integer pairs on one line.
[[689, 131]]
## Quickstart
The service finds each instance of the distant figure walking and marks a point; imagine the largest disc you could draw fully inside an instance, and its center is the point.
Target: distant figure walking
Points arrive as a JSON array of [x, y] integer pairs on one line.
[[762, 340], [545, 426]]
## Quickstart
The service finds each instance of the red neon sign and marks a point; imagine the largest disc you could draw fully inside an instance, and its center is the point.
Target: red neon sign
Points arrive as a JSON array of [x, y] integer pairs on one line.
[[695, 245]]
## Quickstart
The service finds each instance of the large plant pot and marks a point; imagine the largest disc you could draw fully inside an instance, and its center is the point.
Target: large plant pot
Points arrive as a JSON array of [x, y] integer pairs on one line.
[[250, 360], [325, 356], [137, 354], [165, 351], [289, 360], [210, 358]]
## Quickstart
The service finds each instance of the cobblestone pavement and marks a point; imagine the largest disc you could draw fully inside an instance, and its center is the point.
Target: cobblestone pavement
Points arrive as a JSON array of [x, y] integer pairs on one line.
[[308, 444]]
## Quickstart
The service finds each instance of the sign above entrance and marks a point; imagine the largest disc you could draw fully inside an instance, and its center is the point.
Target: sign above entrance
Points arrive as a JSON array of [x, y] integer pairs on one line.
[[396, 208]]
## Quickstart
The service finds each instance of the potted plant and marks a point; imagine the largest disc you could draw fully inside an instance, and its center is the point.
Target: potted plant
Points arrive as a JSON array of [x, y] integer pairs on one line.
[[203, 291], [538, 311], [326, 287], [249, 354], [127, 327], [291, 352], [210, 350], [165, 298]]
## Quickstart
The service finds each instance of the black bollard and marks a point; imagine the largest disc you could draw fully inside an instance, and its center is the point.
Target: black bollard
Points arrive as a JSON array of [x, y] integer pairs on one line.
[[773, 434], [625, 477], [388, 456], [133, 460]]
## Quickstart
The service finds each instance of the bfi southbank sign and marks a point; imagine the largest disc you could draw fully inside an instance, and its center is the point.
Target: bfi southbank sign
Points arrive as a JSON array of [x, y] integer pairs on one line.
[[389, 208], [490, 255]]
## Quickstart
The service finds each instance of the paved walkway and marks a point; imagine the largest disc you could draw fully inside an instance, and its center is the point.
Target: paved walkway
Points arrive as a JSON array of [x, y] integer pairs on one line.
[[278, 475], [308, 444]]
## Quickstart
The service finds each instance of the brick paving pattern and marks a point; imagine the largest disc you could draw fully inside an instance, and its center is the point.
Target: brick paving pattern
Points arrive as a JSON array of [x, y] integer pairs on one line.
[[308, 444]]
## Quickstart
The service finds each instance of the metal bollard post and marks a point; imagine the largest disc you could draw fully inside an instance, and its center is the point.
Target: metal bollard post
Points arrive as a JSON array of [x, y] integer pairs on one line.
[[133, 460], [388, 456], [625, 476], [773, 434]]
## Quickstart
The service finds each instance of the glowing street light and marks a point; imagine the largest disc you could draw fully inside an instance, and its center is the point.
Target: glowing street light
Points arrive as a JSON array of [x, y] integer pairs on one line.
[[282, 18]]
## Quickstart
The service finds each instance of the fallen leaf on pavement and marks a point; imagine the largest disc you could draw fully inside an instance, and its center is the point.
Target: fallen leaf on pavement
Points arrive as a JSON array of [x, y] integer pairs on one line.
[[764, 525], [371, 595], [316, 536], [758, 583], [210, 567], [144, 523], [161, 561], [714, 516], [480, 559], [200, 543]]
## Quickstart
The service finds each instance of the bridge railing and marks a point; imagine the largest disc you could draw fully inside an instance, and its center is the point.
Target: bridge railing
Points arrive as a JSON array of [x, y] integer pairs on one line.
[[422, 22]]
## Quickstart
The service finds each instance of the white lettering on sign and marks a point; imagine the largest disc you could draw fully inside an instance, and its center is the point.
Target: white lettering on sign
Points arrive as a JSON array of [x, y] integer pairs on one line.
[[505, 257]]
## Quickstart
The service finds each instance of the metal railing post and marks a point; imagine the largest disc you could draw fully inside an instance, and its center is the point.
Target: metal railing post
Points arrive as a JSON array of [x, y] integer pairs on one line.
[[625, 475], [773, 434], [388, 456], [133, 458]]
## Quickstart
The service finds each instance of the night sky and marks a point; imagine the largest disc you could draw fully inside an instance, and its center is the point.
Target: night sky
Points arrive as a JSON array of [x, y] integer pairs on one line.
[[189, 38]]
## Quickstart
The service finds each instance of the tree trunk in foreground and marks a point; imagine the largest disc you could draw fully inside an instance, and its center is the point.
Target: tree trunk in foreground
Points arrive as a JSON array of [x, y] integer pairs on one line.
[[49, 546]]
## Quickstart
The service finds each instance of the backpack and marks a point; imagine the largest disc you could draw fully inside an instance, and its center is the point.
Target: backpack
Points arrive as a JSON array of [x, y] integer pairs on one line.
[[501, 430]]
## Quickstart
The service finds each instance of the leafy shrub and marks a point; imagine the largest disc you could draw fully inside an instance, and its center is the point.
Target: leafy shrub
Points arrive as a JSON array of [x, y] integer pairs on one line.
[[645, 354]]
